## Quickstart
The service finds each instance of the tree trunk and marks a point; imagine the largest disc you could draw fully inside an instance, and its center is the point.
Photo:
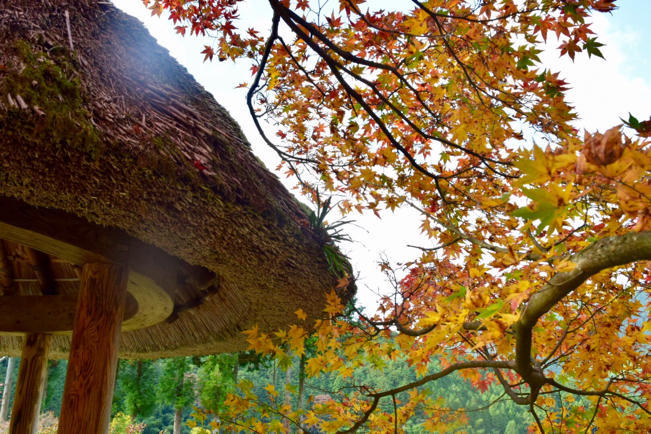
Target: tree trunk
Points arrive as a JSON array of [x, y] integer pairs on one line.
[[6, 391], [90, 380], [288, 397], [29, 387], [301, 387], [178, 420], [136, 410], [45, 379]]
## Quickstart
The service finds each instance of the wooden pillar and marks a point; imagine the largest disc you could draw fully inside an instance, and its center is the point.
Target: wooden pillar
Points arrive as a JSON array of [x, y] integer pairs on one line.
[[88, 392], [29, 388]]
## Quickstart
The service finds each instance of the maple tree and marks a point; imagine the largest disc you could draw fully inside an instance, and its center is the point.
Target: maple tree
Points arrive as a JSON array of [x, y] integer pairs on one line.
[[536, 274]]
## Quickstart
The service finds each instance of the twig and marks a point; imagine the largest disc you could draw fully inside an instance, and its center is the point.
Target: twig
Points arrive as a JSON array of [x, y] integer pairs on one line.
[[72, 48]]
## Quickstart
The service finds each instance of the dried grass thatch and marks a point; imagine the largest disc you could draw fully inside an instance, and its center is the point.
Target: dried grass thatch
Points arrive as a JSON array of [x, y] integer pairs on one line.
[[114, 140]]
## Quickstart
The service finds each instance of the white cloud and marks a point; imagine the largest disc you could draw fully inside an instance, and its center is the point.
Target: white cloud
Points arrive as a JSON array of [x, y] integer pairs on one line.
[[603, 91]]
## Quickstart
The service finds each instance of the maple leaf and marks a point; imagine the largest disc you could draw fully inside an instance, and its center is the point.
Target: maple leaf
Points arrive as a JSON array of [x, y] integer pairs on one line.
[[199, 165], [604, 5], [604, 149], [642, 128], [571, 47], [208, 53], [301, 314], [592, 47]]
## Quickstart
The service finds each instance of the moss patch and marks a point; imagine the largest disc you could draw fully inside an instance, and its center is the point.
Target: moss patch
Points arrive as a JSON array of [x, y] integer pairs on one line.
[[47, 82]]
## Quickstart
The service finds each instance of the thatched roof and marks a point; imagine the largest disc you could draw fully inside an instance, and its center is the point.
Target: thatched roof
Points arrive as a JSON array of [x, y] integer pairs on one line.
[[113, 146]]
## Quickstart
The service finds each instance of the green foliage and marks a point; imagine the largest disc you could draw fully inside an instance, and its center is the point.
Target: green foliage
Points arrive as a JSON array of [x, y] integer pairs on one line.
[[176, 382], [216, 379], [469, 410], [184, 382], [56, 378], [138, 381], [125, 424]]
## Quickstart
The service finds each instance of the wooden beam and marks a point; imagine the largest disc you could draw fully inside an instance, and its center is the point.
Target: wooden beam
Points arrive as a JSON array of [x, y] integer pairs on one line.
[[29, 388], [155, 274], [90, 379], [40, 263], [75, 240], [45, 314]]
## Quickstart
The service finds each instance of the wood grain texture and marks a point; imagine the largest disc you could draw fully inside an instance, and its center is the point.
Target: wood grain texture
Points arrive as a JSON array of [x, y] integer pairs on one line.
[[29, 388], [88, 391], [44, 314]]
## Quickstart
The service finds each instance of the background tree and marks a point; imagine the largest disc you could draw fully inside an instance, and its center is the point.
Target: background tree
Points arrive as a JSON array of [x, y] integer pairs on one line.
[[176, 387], [535, 236], [137, 390], [7, 387], [56, 378], [216, 379]]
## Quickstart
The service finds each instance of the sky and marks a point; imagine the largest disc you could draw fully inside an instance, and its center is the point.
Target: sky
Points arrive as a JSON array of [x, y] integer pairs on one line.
[[602, 91]]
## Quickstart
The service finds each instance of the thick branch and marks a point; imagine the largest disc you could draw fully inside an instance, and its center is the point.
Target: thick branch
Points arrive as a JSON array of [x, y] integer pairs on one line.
[[496, 364], [603, 254]]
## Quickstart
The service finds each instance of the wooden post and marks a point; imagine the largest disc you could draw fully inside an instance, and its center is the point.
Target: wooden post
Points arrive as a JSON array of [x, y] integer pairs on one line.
[[88, 392], [29, 388]]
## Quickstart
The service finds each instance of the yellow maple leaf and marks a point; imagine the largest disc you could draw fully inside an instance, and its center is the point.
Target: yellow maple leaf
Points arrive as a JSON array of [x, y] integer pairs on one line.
[[271, 389], [301, 314], [565, 265]]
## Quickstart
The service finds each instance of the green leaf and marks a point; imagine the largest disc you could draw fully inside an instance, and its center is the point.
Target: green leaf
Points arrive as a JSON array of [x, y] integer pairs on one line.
[[592, 47], [490, 310], [459, 294], [524, 63], [632, 122], [516, 274]]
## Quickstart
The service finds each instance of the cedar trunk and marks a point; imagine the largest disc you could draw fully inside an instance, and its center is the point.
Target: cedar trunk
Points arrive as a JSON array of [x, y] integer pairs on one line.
[[6, 391], [178, 420]]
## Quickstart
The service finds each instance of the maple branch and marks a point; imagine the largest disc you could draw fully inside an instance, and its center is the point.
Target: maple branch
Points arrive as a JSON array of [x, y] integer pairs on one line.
[[451, 51], [395, 414], [433, 249], [291, 19], [515, 397], [532, 410], [301, 68], [474, 364], [601, 393], [252, 91], [560, 341], [334, 68], [546, 362], [530, 256], [605, 253], [478, 20]]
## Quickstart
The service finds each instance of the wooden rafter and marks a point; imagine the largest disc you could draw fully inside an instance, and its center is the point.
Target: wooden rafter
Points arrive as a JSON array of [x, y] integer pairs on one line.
[[40, 263]]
